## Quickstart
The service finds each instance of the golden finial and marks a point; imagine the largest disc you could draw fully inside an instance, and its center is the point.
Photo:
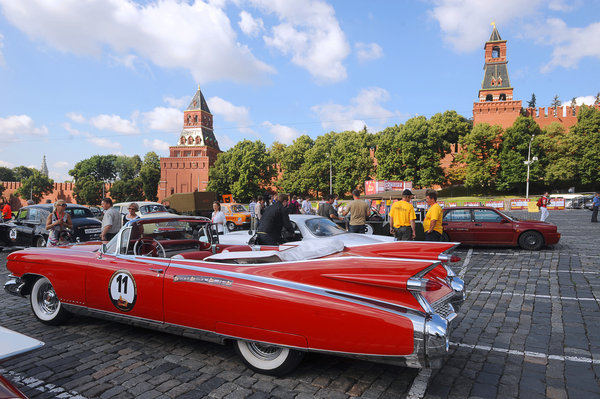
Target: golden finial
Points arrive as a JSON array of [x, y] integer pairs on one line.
[[493, 24]]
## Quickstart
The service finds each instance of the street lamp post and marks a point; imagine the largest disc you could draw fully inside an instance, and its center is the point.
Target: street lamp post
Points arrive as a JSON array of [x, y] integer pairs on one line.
[[528, 163]]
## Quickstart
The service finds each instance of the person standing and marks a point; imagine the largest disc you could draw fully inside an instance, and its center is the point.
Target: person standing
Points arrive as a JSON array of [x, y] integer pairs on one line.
[[595, 206], [543, 205], [433, 219], [403, 218], [259, 208], [359, 212], [111, 221], [251, 209], [218, 218], [272, 221], [133, 208], [306, 206], [57, 223], [6, 212], [327, 210], [293, 206]]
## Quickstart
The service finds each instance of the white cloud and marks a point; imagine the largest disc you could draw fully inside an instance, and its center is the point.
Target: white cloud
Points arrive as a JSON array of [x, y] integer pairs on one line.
[[61, 164], [225, 142], [587, 100], [177, 102], [365, 106], [75, 117], [466, 24], [250, 25], [164, 119], [6, 164], [368, 51], [103, 142], [156, 144], [2, 61], [169, 33], [12, 128], [570, 44], [310, 32], [114, 123], [283, 134], [232, 113]]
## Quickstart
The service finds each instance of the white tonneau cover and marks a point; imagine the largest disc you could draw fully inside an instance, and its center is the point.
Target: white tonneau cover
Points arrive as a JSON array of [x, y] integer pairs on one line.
[[287, 253]]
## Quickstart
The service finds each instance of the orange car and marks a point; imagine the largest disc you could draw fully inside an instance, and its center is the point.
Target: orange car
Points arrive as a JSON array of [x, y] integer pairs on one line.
[[236, 215]]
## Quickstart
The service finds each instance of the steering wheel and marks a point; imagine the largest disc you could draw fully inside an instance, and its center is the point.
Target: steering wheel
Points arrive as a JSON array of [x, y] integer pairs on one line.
[[155, 248]]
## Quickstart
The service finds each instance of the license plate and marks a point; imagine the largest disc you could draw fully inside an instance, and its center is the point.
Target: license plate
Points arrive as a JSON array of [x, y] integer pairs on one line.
[[93, 231]]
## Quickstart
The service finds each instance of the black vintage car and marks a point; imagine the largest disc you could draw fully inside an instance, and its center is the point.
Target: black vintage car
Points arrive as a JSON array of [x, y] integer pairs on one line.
[[28, 228]]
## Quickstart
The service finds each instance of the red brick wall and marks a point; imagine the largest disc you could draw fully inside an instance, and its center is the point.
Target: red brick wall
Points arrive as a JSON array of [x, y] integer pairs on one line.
[[62, 191], [503, 113]]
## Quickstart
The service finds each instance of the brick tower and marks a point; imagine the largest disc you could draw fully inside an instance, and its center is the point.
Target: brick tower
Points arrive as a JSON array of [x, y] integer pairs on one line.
[[186, 168], [496, 105]]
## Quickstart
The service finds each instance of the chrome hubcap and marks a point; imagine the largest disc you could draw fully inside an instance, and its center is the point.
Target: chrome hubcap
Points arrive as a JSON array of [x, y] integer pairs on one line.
[[47, 300], [264, 351]]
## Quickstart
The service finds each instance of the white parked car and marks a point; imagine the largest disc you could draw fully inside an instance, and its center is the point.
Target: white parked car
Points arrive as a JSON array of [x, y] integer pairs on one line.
[[147, 208], [311, 227]]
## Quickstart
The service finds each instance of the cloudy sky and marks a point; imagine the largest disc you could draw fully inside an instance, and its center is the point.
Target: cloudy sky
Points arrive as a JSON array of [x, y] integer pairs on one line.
[[85, 77]]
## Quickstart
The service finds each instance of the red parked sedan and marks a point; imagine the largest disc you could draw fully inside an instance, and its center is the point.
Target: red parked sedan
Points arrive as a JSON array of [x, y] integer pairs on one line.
[[488, 226]]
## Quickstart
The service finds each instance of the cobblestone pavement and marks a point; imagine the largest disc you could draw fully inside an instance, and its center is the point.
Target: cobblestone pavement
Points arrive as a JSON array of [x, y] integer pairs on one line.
[[530, 327]]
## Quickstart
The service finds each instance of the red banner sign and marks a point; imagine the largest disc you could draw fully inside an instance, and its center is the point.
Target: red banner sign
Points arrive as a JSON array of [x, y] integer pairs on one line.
[[519, 204], [495, 204]]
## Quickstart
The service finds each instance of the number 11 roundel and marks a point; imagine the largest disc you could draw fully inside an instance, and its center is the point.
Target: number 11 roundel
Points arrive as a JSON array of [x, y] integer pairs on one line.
[[122, 290]]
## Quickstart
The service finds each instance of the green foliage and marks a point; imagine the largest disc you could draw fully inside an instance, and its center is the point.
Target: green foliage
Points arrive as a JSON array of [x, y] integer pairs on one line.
[[23, 172], [481, 157], [388, 154], [531, 103], [35, 186], [351, 160], [127, 190], [7, 174], [513, 154], [559, 159], [585, 140], [556, 102], [243, 170], [317, 163], [88, 191], [99, 167], [150, 176], [127, 168], [2, 188], [291, 161]]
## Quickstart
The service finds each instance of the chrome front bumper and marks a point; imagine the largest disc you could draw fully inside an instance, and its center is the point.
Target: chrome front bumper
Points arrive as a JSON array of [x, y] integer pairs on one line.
[[14, 286]]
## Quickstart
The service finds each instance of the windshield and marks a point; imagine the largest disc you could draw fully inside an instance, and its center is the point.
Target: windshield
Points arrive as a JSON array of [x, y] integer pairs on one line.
[[238, 208], [77, 213], [322, 227], [511, 218], [153, 208]]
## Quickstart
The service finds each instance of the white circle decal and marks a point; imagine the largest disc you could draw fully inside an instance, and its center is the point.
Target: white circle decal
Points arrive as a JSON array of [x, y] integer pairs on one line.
[[122, 290]]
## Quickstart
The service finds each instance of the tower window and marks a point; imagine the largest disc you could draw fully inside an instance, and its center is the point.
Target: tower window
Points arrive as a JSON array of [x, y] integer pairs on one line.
[[496, 52], [195, 119], [489, 97], [502, 97]]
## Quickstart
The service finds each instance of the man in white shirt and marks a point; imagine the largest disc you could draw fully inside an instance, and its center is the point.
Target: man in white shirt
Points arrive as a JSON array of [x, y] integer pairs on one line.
[[306, 206], [111, 221]]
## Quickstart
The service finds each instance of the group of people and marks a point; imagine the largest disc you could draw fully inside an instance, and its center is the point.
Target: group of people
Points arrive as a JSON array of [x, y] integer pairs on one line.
[[403, 216]]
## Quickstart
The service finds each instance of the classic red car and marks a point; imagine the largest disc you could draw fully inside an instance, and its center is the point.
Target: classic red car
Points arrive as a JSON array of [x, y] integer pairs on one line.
[[488, 226], [391, 302]]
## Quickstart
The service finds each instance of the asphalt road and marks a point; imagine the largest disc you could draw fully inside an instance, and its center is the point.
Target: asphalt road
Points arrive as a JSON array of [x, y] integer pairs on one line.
[[530, 328]]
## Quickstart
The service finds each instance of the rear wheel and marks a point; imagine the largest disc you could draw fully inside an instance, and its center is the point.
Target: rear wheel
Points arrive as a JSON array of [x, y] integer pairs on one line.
[[40, 241], [368, 229], [230, 226], [45, 303], [268, 359], [531, 241]]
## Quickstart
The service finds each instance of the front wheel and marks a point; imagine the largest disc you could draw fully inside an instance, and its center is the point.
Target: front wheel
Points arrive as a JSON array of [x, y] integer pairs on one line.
[[268, 359], [531, 241], [40, 241], [45, 303], [230, 226]]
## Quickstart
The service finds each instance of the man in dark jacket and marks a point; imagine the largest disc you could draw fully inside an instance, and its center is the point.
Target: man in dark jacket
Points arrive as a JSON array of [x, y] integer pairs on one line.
[[273, 219]]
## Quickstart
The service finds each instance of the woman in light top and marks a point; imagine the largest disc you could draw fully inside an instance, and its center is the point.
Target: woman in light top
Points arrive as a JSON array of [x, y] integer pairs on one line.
[[132, 214], [57, 224], [218, 218]]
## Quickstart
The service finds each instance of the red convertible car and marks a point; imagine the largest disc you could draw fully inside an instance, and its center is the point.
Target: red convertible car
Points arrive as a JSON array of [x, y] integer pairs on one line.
[[488, 226], [391, 302]]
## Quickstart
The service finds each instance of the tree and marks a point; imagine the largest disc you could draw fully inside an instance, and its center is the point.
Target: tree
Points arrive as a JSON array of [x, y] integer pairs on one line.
[[35, 186], [555, 104], [127, 190], [317, 163], [88, 191], [23, 172], [513, 154], [99, 167], [531, 103], [351, 160], [7, 174], [559, 163], [150, 175], [597, 99], [585, 140], [389, 154], [127, 168], [243, 170], [291, 161], [2, 188], [481, 157]]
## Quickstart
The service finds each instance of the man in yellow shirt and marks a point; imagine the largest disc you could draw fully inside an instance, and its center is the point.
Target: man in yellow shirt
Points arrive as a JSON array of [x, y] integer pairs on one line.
[[403, 218], [433, 220]]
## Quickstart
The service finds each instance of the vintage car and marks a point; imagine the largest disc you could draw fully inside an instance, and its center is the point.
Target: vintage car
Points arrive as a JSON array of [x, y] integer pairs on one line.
[[237, 216], [13, 344], [147, 208], [389, 302], [488, 226], [28, 228], [311, 227]]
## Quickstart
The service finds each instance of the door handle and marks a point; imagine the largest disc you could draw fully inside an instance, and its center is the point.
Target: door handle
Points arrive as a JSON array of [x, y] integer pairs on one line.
[[477, 224], [157, 271]]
